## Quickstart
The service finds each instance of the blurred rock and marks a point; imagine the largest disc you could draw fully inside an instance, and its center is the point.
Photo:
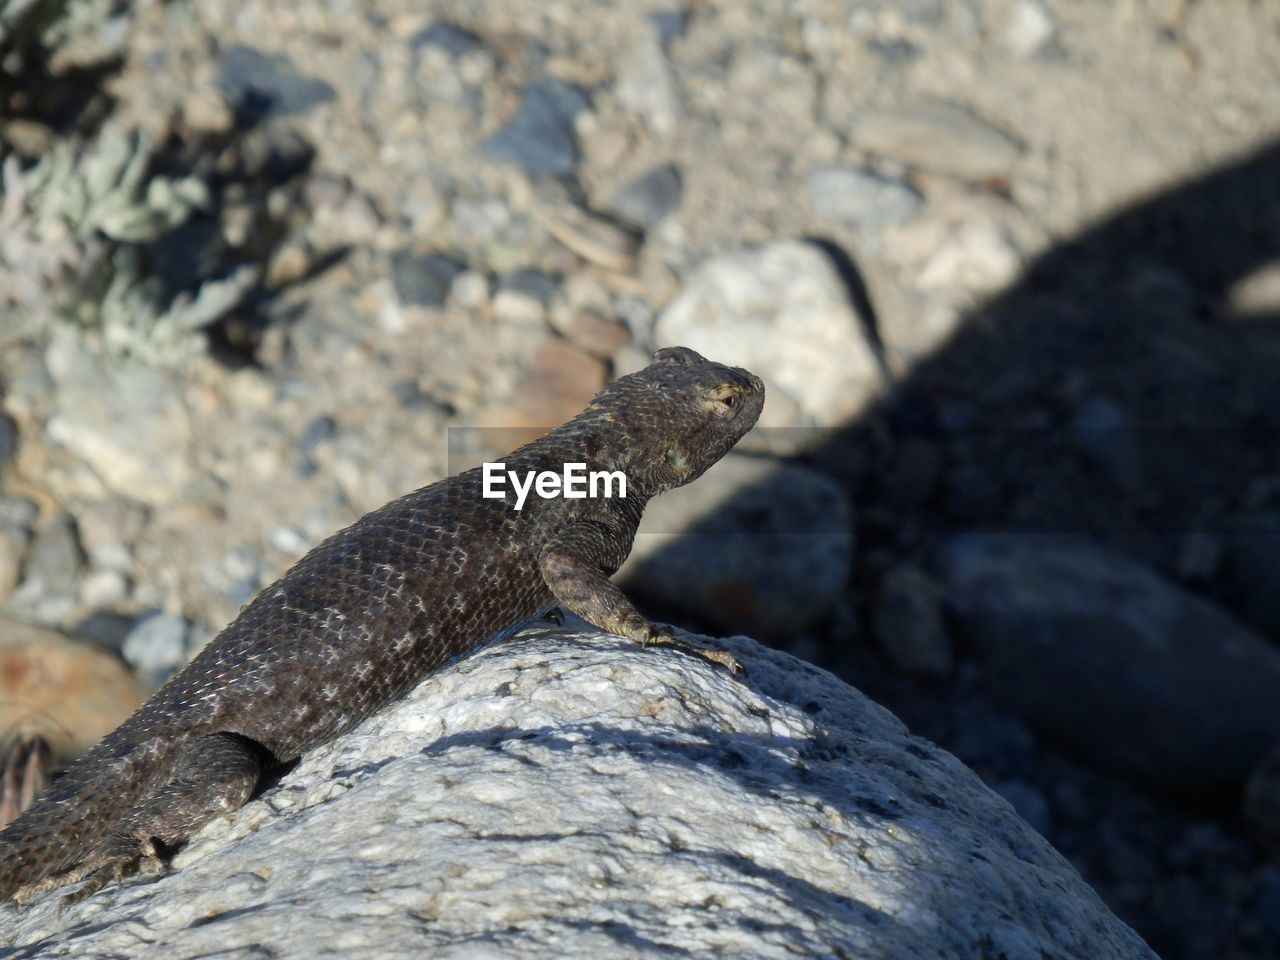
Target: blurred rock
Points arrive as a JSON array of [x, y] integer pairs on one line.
[[1260, 804], [259, 84], [16, 515], [860, 197], [1252, 567], [8, 439], [206, 110], [126, 421], [939, 137], [470, 290], [423, 281], [781, 311], [1103, 431], [598, 335], [592, 236], [908, 623], [558, 382], [70, 694], [757, 545], [541, 139], [1118, 664], [650, 197], [446, 37], [523, 296], [156, 647], [646, 86], [976, 257], [51, 572], [997, 745], [1029, 29]]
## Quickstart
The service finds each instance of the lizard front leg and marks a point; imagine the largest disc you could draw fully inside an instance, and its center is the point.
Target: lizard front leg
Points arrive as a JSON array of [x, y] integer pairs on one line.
[[580, 584], [215, 774]]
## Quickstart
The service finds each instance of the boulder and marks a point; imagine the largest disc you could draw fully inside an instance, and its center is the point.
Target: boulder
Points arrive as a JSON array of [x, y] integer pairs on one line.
[[569, 794]]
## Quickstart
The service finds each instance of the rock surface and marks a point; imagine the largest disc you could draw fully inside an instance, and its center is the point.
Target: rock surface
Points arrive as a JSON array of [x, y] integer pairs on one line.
[[570, 795], [1164, 685]]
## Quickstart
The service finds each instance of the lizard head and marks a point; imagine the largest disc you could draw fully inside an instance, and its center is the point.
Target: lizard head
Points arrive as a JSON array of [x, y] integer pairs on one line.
[[680, 415]]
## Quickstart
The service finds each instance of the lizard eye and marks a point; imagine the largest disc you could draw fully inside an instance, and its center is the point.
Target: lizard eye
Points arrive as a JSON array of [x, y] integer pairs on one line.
[[723, 404]]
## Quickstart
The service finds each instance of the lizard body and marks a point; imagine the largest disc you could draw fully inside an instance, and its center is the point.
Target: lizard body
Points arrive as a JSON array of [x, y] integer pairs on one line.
[[369, 613]]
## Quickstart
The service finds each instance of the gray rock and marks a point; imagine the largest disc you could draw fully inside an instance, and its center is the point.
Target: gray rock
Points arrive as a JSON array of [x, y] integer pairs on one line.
[[260, 84], [540, 139], [939, 137], [1029, 29], [908, 623], [15, 530], [650, 197], [1102, 654], [126, 421], [8, 439], [569, 795], [670, 24], [156, 647], [646, 85], [423, 281], [861, 197], [759, 546], [783, 312], [448, 37], [51, 572]]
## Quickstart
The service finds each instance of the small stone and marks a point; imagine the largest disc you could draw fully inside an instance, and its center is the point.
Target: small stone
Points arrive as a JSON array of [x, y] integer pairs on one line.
[[289, 540], [783, 312], [648, 199], [51, 573], [541, 138], [598, 335], [14, 535], [206, 110], [861, 197], [423, 281], [1257, 295], [103, 588], [469, 290], [939, 137], [590, 235], [760, 546], [558, 382], [452, 40], [909, 626], [156, 647], [645, 85], [1103, 432], [288, 264], [977, 257], [8, 439], [1029, 29], [670, 24], [259, 84], [523, 296]]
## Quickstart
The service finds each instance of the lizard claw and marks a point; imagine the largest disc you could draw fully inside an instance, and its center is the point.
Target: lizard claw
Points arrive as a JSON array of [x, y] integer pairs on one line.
[[662, 635]]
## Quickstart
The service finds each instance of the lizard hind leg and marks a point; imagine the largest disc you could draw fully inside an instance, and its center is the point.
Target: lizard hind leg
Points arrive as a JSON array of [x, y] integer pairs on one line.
[[216, 774]]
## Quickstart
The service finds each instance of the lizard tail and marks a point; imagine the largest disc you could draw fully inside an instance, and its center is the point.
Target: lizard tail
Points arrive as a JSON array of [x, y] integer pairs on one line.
[[60, 829]]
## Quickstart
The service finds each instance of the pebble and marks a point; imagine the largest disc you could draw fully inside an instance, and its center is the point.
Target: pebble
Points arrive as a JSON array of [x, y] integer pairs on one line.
[[205, 110], [51, 572], [758, 546], [650, 198], [976, 257], [423, 281], [103, 588], [449, 38], [598, 335], [782, 311], [156, 647], [8, 439], [1104, 655], [469, 290], [646, 86], [909, 626], [69, 693], [861, 197], [541, 138], [1029, 29], [941, 138], [261, 84], [523, 296], [558, 382]]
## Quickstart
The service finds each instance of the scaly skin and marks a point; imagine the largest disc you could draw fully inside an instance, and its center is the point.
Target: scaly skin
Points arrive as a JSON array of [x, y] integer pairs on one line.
[[373, 610]]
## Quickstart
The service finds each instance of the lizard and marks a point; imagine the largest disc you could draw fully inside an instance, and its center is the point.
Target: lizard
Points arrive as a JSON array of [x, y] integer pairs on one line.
[[370, 612]]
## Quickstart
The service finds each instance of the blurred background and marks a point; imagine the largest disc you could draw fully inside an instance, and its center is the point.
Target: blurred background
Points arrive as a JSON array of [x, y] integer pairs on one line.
[[1011, 269]]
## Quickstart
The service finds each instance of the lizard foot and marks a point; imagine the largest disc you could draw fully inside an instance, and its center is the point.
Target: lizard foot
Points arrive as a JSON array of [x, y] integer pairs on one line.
[[115, 860], [661, 635]]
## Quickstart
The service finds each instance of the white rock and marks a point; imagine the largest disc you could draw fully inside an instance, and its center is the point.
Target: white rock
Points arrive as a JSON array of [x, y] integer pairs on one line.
[[977, 257], [860, 197], [646, 85], [939, 137], [782, 312], [1029, 29], [566, 794]]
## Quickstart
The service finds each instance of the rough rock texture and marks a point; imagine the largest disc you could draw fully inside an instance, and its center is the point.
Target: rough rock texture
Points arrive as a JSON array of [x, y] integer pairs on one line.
[[566, 794]]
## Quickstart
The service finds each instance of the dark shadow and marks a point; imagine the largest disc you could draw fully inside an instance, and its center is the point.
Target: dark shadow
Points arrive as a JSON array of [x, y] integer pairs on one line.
[[1122, 391]]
